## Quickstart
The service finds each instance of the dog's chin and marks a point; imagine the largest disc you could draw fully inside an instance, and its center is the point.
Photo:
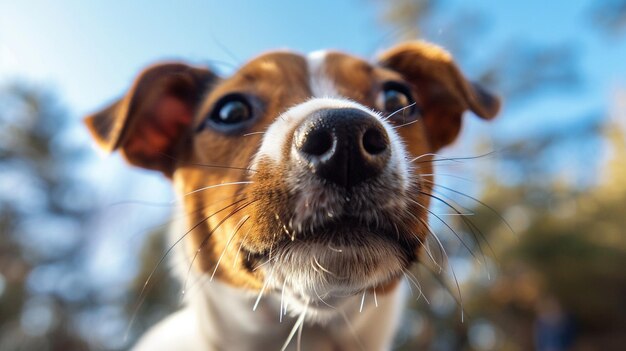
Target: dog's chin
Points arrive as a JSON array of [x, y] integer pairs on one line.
[[326, 270]]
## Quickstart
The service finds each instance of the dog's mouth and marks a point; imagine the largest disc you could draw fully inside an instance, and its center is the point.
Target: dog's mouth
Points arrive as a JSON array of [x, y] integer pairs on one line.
[[341, 258]]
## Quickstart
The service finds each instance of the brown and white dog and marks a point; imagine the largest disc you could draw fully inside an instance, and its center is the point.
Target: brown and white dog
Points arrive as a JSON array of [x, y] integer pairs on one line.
[[305, 181]]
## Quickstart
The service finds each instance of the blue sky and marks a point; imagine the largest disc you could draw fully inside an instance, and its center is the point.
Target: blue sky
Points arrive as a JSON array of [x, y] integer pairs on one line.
[[89, 51]]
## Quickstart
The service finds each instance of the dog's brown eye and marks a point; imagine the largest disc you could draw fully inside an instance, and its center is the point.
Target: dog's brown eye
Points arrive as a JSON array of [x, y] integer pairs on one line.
[[395, 98], [230, 113]]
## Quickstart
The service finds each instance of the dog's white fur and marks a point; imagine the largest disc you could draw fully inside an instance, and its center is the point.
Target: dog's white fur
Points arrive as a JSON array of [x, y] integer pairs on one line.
[[207, 321]]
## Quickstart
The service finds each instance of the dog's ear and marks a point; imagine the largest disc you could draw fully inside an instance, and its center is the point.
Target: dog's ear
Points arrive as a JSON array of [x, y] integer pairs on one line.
[[149, 121], [443, 90]]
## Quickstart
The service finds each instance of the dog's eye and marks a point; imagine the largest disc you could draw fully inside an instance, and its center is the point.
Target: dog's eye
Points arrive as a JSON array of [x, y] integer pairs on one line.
[[395, 98], [231, 110], [230, 113]]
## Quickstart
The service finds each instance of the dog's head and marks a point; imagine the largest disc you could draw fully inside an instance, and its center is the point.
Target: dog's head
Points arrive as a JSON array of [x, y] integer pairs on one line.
[[307, 172]]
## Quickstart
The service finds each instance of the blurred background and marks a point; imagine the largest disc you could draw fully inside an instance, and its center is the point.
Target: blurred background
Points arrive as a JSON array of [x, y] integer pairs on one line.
[[538, 261]]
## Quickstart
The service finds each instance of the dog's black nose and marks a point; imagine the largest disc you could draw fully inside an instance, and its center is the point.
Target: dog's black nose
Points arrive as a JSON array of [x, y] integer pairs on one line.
[[345, 146]]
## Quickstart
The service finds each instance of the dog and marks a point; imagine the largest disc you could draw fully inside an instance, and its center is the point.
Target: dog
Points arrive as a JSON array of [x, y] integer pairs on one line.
[[305, 182]]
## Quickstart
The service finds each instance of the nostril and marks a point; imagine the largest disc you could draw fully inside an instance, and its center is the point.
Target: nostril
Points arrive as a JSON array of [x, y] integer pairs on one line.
[[374, 141], [317, 143]]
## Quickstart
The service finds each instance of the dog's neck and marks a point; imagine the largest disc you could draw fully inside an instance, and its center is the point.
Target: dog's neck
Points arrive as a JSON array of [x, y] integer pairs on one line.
[[228, 321]]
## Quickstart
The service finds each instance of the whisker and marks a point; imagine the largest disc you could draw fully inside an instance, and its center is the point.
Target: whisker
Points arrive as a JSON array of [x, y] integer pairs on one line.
[[286, 305], [282, 300], [426, 154], [206, 239], [352, 330], [272, 246], [406, 124], [334, 249], [413, 279], [476, 232], [468, 213], [398, 110], [322, 268], [142, 295], [448, 226], [463, 214], [442, 250], [433, 188], [254, 133], [267, 282], [321, 299], [178, 216], [196, 225], [261, 265], [208, 165], [455, 159], [238, 226], [318, 272], [217, 186], [428, 250], [445, 175], [227, 51], [199, 280], [458, 289], [491, 209], [299, 338], [362, 302], [439, 278], [296, 326], [241, 246]]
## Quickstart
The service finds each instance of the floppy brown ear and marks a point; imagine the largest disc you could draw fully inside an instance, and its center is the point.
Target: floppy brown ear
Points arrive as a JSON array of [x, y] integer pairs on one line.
[[443, 90], [149, 122]]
